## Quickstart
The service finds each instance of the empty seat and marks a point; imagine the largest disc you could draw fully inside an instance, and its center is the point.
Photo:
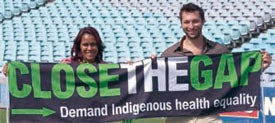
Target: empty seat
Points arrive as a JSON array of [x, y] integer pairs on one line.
[[135, 13], [144, 27], [220, 38], [271, 33], [33, 5], [235, 33], [8, 14], [248, 47], [111, 59], [263, 37], [251, 24], [256, 42], [137, 53], [25, 7], [40, 2]]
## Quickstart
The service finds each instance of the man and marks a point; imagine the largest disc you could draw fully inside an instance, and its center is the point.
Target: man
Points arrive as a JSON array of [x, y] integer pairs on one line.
[[194, 43]]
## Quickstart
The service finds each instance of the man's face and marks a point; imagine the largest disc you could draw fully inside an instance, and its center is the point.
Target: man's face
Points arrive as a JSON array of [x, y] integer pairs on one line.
[[192, 24]]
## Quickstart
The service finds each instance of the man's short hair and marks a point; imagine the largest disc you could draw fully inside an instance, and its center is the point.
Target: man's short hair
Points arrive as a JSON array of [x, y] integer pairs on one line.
[[191, 7]]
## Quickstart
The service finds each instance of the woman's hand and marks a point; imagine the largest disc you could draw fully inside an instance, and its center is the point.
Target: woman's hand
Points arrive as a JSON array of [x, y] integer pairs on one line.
[[130, 62], [153, 56], [5, 69]]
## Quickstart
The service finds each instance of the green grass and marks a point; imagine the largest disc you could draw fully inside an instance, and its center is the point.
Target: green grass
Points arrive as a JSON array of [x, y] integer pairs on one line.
[[2, 115], [149, 120], [146, 120]]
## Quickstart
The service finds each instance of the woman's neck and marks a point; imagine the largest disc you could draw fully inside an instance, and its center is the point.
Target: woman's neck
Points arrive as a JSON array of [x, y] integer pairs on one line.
[[88, 61]]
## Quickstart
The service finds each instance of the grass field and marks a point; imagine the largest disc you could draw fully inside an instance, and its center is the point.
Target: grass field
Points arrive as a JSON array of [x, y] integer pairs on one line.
[[146, 120], [149, 120], [142, 120], [2, 116]]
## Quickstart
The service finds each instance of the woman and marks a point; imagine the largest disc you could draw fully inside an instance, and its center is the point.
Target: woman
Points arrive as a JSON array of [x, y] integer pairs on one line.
[[87, 48]]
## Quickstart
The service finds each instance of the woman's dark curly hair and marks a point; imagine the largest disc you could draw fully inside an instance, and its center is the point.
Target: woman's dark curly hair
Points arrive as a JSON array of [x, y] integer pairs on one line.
[[76, 52]]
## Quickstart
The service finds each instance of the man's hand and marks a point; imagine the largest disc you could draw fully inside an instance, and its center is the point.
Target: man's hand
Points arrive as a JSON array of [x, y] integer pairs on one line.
[[266, 59]]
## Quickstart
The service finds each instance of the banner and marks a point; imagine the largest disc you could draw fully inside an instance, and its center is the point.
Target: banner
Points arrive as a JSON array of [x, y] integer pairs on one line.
[[169, 86]]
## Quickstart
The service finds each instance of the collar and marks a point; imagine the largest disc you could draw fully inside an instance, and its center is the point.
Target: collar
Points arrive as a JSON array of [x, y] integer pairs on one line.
[[208, 45]]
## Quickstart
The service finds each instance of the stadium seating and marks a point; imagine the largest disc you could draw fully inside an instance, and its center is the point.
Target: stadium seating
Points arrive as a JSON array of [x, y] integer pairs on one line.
[[37, 30]]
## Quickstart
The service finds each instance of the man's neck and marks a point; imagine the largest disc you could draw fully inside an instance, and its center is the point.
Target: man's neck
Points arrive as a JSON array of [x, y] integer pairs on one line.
[[198, 42], [196, 46]]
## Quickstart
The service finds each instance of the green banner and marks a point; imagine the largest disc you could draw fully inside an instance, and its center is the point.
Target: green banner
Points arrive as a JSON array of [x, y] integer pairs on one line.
[[168, 86]]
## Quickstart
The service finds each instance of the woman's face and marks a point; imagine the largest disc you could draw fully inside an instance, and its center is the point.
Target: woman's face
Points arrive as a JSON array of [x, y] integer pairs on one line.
[[88, 47]]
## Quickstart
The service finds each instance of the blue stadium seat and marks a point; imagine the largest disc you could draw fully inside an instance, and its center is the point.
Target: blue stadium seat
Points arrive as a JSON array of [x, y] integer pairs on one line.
[[244, 29], [137, 54], [119, 21], [8, 14], [266, 47], [270, 71], [162, 21], [140, 21], [271, 43], [130, 21], [34, 58], [225, 13], [33, 5], [167, 12], [134, 41], [123, 53], [124, 12], [16, 11], [220, 38], [264, 37], [227, 39], [1, 17], [148, 51], [9, 55], [127, 23], [135, 13], [239, 49], [1, 55], [235, 34], [133, 44], [256, 42], [25, 7], [112, 59], [248, 47], [40, 2], [109, 20], [271, 33], [46, 58], [147, 14]]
